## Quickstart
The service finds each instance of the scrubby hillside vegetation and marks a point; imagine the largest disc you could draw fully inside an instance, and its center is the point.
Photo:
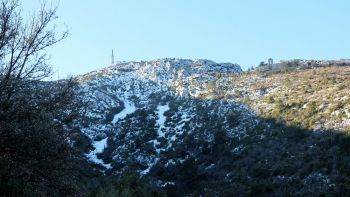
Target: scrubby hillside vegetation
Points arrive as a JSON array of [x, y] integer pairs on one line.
[[167, 127], [315, 98]]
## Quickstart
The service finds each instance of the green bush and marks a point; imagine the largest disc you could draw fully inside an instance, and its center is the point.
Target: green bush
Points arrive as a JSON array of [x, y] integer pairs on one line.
[[311, 108], [269, 99], [126, 185]]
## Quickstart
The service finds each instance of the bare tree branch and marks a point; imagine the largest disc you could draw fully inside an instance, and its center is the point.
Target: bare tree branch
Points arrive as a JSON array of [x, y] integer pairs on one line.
[[23, 45]]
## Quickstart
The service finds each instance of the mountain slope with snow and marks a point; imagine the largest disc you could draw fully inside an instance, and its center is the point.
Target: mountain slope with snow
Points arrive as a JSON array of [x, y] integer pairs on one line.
[[157, 99], [186, 127]]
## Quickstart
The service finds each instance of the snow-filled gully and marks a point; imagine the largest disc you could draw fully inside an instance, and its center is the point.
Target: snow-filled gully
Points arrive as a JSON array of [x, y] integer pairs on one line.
[[99, 147], [129, 108], [161, 109]]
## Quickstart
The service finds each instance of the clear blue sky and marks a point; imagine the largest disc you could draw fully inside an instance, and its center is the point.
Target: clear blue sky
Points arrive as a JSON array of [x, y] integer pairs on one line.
[[238, 31]]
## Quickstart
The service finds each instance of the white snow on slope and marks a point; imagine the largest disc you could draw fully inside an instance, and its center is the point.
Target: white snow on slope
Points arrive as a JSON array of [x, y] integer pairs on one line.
[[107, 88], [99, 147], [161, 109], [129, 108]]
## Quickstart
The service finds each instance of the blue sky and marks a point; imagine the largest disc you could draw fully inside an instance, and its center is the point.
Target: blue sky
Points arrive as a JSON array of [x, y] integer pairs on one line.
[[237, 31]]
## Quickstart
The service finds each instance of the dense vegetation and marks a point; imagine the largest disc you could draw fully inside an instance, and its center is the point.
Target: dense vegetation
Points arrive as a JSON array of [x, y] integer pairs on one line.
[[287, 151], [41, 151]]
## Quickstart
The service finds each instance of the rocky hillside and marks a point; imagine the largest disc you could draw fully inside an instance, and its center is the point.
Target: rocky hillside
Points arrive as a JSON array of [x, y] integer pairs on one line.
[[315, 98], [147, 108], [203, 128]]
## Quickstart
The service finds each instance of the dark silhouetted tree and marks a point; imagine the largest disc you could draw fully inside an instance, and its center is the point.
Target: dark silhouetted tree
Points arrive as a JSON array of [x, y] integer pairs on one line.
[[35, 157]]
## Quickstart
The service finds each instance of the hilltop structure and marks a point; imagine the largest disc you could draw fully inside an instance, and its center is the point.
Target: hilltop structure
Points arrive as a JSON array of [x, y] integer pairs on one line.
[[263, 67], [112, 61]]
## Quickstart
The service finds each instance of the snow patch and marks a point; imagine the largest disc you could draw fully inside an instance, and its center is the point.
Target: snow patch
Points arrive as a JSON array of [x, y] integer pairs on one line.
[[99, 147], [129, 108], [161, 109]]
